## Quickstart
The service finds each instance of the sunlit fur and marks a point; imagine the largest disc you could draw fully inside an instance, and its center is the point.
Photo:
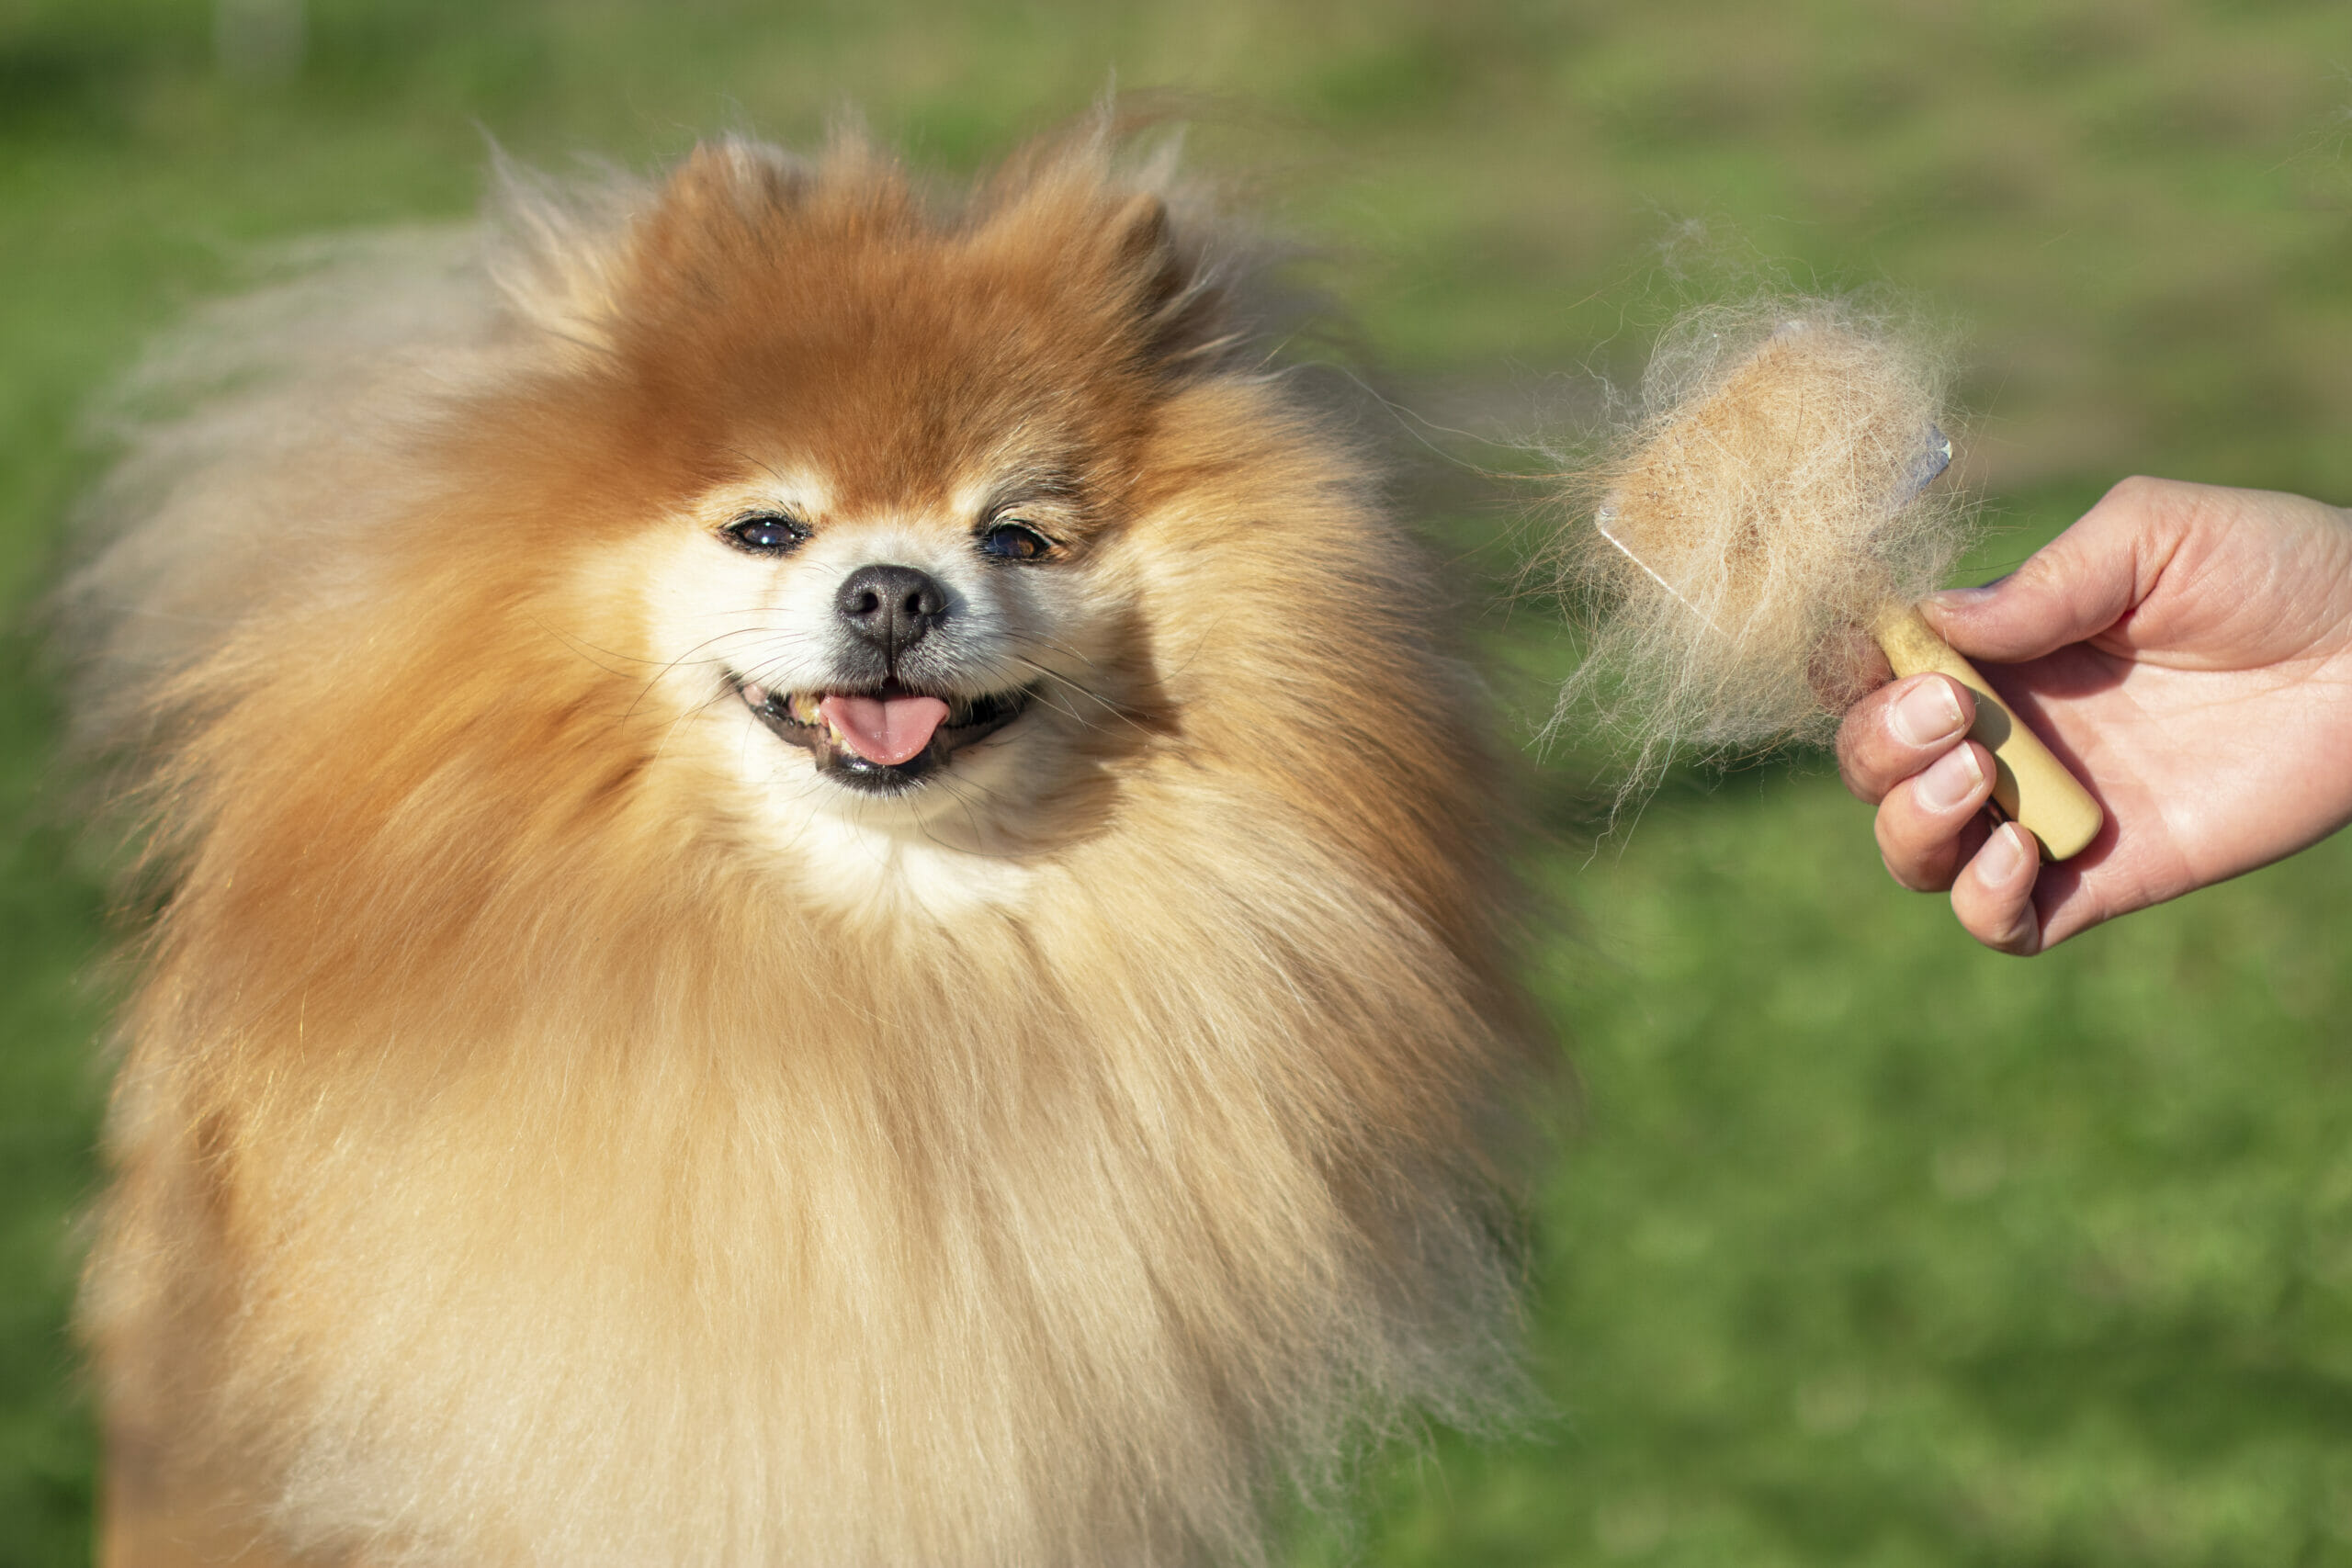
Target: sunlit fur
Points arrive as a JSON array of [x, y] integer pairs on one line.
[[559, 1127]]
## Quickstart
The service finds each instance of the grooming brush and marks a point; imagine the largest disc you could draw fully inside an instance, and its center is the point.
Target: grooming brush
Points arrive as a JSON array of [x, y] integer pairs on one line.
[[1777, 492]]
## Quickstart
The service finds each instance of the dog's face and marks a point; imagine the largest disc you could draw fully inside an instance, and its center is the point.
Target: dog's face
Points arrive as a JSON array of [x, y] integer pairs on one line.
[[890, 583], [941, 660]]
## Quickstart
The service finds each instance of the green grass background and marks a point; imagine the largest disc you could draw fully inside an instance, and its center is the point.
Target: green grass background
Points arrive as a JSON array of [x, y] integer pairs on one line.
[[1870, 1247]]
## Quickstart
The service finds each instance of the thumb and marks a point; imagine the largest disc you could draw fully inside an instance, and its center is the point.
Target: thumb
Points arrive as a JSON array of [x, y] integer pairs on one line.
[[2076, 587]]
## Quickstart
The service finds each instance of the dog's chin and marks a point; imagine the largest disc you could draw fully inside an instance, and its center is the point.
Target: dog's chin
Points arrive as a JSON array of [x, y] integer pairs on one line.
[[796, 719]]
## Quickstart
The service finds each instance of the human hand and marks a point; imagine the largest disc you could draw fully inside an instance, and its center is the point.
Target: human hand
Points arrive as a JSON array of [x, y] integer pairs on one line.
[[2186, 650]]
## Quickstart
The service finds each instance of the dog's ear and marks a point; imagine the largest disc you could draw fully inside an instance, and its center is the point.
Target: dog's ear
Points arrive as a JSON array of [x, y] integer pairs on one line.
[[1144, 247], [557, 252], [731, 180], [1132, 254], [1171, 282], [564, 253], [1139, 230], [718, 211]]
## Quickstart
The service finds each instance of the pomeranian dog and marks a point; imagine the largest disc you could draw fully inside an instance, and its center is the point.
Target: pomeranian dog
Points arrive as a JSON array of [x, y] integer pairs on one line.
[[823, 894]]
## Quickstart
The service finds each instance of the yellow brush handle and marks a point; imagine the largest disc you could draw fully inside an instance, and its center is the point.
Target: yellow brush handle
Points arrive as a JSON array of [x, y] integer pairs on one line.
[[2030, 785]]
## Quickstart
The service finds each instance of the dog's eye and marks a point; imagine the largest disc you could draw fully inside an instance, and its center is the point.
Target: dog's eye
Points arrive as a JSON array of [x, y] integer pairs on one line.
[[1014, 541], [767, 534]]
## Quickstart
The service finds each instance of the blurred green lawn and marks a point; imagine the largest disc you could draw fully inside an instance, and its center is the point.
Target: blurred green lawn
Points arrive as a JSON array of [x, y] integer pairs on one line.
[[1871, 1247]]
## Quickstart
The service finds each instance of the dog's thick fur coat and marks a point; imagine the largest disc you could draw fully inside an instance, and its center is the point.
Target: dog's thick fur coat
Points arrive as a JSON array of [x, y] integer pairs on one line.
[[541, 1140]]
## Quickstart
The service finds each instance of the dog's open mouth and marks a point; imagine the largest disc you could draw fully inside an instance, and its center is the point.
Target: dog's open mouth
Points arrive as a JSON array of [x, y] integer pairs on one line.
[[884, 740]]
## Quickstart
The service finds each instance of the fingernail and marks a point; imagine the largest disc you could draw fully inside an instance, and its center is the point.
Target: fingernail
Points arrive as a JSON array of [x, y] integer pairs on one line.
[[1949, 780], [1965, 598], [1927, 713], [2003, 854]]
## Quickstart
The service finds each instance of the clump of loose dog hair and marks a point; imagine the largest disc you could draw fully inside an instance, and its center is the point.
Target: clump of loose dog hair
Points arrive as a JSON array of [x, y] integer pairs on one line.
[[1763, 498]]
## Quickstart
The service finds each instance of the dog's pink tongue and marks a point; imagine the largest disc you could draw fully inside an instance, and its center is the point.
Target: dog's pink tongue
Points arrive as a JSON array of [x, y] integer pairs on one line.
[[886, 730]]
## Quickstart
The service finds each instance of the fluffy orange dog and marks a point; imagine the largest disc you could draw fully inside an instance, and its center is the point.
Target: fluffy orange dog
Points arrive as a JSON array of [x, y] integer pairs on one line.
[[827, 900]]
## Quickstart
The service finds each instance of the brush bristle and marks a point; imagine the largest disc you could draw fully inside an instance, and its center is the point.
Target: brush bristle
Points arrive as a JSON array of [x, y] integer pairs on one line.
[[1767, 497]]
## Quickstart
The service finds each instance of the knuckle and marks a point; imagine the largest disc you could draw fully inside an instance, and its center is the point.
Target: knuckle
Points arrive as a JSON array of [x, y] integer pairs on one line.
[[2136, 490], [2017, 941], [1912, 866], [1993, 920], [1857, 783], [2141, 498], [1856, 767]]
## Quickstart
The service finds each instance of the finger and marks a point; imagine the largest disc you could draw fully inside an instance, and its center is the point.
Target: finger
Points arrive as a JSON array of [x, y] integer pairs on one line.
[[2068, 900], [1846, 667], [1899, 729], [2080, 584], [1993, 896], [1923, 821]]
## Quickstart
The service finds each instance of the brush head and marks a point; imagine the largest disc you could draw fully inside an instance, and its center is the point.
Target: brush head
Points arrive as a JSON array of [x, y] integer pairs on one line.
[[1768, 498]]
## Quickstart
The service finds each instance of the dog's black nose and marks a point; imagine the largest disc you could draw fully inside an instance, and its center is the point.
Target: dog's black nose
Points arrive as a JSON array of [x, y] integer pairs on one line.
[[893, 607]]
